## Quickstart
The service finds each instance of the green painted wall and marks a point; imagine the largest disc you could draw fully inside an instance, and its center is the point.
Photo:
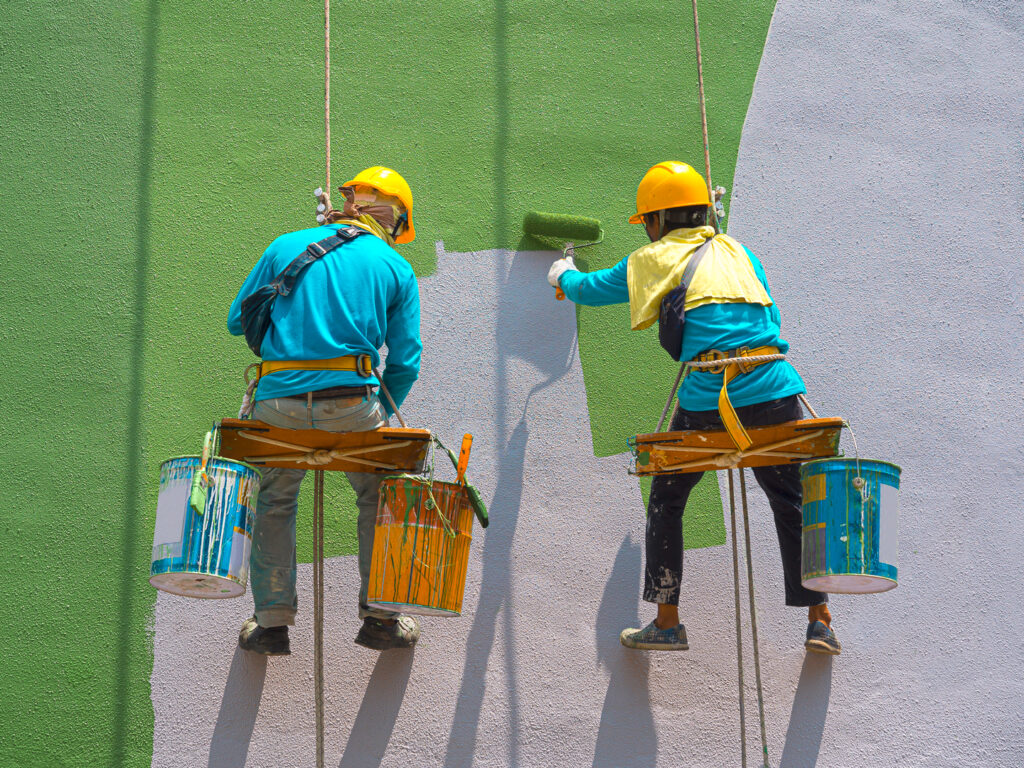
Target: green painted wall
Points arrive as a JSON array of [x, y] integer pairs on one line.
[[76, 83], [152, 150]]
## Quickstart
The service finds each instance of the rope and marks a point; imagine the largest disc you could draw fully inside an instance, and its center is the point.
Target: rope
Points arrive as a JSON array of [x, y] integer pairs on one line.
[[704, 116], [739, 634], [713, 364], [327, 92], [726, 360], [732, 493], [753, 617], [388, 396], [318, 611], [671, 395], [807, 405]]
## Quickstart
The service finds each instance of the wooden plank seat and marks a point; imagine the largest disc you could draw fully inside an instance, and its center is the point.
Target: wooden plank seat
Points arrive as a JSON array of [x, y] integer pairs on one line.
[[383, 451], [669, 453]]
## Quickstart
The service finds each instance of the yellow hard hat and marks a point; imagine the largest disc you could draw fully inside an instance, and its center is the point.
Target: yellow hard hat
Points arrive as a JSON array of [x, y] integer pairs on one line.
[[389, 182], [669, 185]]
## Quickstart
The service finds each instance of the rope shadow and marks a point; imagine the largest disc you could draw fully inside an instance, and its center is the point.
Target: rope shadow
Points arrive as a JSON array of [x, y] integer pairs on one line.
[[496, 592], [378, 712], [240, 704], [807, 718], [133, 548]]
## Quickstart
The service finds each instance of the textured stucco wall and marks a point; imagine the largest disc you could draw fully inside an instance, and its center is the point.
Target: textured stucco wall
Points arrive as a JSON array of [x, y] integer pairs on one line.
[[879, 180], [880, 308]]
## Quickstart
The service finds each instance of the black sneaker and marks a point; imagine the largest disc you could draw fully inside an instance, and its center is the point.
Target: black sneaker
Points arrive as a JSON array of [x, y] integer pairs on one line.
[[821, 639], [382, 636], [269, 641]]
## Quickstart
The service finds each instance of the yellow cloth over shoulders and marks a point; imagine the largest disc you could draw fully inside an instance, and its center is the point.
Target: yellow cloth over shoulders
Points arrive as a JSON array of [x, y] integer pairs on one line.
[[725, 274]]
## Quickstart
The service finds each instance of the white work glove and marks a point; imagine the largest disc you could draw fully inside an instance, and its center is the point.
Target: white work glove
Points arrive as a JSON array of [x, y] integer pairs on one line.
[[558, 269]]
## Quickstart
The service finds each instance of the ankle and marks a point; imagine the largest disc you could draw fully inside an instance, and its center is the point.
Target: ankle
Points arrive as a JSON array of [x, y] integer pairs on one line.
[[819, 613], [668, 617]]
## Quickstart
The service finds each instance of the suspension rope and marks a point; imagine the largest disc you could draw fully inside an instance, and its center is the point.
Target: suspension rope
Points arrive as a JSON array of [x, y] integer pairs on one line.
[[318, 611], [739, 632], [753, 617], [704, 117], [327, 93], [732, 494], [318, 475]]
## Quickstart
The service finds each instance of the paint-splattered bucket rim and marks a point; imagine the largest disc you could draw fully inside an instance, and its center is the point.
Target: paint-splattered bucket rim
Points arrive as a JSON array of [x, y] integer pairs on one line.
[[257, 470], [853, 462]]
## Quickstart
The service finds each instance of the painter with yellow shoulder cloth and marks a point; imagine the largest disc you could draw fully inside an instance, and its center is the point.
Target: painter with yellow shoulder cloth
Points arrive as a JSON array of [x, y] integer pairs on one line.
[[340, 292], [728, 313]]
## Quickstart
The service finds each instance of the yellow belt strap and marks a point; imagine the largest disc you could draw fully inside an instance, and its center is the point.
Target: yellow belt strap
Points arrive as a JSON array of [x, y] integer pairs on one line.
[[727, 413], [361, 364]]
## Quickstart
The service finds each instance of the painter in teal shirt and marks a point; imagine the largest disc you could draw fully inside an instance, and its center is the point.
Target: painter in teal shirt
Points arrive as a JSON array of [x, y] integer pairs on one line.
[[353, 301], [711, 326]]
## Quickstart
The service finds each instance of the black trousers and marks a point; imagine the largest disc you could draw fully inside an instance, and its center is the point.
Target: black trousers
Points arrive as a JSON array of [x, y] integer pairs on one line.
[[664, 571]]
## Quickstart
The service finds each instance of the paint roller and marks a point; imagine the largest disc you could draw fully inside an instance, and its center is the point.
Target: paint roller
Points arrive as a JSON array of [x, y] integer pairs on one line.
[[557, 226]]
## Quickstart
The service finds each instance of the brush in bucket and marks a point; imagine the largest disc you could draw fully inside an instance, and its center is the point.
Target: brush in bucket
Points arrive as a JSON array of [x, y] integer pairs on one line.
[[557, 226]]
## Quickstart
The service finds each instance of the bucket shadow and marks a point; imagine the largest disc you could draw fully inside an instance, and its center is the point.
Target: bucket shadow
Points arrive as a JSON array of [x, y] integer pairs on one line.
[[807, 718], [239, 706], [626, 735], [375, 721]]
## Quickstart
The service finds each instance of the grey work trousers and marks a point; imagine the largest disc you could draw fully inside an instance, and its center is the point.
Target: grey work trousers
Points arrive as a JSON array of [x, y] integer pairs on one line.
[[272, 563]]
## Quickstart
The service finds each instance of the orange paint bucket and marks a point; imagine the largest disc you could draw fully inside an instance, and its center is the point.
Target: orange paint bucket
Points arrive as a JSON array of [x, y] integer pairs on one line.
[[420, 547]]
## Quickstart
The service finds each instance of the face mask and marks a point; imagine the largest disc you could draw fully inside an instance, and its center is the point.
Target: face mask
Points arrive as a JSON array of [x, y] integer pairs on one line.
[[385, 210]]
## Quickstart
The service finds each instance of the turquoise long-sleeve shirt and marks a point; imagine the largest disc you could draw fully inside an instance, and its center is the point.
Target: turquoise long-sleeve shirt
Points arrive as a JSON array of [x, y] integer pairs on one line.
[[356, 299], [711, 326]]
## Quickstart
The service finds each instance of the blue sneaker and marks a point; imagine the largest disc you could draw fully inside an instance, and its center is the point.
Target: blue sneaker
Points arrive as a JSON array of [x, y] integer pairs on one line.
[[821, 639], [651, 638]]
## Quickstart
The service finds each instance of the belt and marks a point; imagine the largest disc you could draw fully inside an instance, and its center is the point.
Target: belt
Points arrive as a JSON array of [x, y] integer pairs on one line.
[[361, 364], [731, 370], [343, 393]]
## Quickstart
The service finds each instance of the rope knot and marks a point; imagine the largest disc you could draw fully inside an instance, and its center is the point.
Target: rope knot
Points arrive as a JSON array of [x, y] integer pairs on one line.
[[319, 457]]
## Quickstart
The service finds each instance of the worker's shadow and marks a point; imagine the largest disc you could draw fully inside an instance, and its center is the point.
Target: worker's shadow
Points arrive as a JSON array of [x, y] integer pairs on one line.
[[534, 334], [239, 706], [807, 718], [626, 735], [375, 721]]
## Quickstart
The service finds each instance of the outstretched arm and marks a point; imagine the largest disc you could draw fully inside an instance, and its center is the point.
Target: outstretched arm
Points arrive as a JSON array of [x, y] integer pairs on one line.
[[595, 289]]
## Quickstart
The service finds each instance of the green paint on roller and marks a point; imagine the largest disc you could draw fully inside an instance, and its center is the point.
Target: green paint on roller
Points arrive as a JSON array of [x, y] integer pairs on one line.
[[563, 227]]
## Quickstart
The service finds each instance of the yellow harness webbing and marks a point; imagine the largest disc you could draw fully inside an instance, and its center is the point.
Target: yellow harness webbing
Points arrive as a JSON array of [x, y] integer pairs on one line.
[[361, 364], [730, 420]]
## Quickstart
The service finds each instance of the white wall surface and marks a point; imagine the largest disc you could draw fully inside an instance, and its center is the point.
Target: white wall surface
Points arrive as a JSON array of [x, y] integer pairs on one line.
[[879, 180]]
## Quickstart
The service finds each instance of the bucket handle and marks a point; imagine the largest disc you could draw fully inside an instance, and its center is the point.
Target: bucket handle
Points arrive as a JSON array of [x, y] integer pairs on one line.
[[859, 483]]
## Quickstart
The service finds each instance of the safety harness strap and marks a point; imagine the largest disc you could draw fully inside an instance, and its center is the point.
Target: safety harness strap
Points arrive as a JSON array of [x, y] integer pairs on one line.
[[361, 364], [731, 370]]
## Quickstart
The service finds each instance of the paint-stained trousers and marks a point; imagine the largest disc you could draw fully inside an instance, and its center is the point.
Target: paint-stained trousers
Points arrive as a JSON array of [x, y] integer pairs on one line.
[[272, 563], [664, 570]]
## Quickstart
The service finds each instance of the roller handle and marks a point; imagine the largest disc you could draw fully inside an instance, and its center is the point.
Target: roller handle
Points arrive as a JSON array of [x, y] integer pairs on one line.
[[467, 444], [559, 294]]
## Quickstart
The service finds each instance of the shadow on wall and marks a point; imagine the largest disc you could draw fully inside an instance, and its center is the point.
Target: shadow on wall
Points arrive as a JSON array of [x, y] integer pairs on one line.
[[626, 735], [385, 690], [134, 548], [239, 706], [528, 330], [807, 718], [521, 335]]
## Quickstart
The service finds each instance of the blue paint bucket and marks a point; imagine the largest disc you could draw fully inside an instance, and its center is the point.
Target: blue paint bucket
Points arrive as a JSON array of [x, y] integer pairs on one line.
[[850, 525], [204, 555]]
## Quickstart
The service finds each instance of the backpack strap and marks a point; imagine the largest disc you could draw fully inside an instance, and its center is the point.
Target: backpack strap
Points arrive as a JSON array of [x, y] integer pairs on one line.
[[692, 264], [286, 280]]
